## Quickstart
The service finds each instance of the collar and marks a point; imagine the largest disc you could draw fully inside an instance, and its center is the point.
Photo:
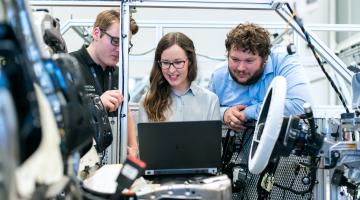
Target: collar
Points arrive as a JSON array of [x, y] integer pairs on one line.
[[85, 54], [193, 89], [269, 68]]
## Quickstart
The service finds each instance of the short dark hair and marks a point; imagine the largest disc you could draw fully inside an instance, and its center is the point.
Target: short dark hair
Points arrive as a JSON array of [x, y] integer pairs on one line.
[[249, 37]]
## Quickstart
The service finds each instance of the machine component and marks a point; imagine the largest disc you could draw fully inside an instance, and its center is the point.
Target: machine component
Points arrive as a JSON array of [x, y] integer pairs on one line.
[[49, 29], [19, 78], [299, 139], [103, 135], [218, 187], [36, 168], [298, 136], [268, 125], [67, 79], [9, 157], [113, 181], [291, 49], [355, 84], [45, 109], [132, 169], [339, 179]]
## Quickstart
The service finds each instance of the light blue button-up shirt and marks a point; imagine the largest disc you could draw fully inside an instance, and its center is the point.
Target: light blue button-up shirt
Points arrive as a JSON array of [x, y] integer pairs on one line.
[[279, 63], [196, 104]]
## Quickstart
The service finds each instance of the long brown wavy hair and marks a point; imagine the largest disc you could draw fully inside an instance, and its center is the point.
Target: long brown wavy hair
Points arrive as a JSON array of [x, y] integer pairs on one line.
[[157, 100]]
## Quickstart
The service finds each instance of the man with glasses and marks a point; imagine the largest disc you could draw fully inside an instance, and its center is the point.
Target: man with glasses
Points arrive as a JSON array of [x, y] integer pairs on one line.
[[98, 65]]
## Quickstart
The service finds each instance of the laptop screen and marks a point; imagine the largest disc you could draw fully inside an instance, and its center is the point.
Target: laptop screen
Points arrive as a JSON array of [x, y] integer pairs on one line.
[[180, 147]]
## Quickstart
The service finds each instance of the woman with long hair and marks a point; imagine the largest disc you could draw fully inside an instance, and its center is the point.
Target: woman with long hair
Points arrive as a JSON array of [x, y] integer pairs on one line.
[[173, 96]]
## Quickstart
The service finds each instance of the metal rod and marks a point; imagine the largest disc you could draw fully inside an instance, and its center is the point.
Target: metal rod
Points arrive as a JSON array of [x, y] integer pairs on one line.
[[207, 4], [123, 79], [75, 3], [213, 24], [338, 65]]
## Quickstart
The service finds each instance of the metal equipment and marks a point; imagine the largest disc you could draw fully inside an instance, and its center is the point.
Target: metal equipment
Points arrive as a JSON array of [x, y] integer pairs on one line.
[[218, 187], [336, 152], [336, 146]]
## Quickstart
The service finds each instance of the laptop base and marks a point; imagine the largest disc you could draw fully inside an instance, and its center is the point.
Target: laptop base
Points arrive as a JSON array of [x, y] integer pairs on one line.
[[181, 171], [215, 187]]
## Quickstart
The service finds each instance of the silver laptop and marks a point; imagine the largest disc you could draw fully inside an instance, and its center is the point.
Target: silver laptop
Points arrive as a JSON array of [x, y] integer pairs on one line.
[[186, 147]]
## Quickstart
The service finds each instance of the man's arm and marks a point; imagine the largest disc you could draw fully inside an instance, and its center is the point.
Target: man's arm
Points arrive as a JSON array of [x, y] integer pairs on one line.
[[298, 88], [234, 117], [211, 87], [231, 108]]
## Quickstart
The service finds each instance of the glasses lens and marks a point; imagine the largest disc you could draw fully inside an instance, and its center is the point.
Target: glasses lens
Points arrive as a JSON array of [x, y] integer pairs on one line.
[[164, 64], [179, 64], [115, 41]]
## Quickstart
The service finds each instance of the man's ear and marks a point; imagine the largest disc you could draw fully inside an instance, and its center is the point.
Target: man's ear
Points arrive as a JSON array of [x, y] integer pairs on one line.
[[96, 33]]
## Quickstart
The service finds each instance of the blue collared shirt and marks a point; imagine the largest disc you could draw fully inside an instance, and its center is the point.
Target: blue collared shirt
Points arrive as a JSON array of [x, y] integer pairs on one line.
[[279, 63], [196, 104]]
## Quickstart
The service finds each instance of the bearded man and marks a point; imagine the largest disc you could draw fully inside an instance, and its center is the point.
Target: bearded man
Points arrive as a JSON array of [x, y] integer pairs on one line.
[[252, 63]]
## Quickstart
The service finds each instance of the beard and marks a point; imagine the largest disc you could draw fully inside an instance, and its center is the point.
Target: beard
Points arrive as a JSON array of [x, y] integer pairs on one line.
[[253, 79]]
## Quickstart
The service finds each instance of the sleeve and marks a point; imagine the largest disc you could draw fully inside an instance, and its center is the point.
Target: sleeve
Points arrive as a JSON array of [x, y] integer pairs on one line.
[[253, 111], [298, 89], [212, 88]]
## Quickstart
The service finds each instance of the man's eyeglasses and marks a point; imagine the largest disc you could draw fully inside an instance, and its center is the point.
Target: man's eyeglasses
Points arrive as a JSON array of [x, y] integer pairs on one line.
[[178, 64], [113, 40]]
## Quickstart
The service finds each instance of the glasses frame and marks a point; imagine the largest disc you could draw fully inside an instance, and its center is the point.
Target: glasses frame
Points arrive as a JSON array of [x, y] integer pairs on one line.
[[171, 63], [112, 38]]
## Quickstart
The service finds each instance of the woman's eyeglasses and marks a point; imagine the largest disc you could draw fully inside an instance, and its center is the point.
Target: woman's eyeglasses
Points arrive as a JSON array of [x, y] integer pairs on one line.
[[178, 64], [113, 40]]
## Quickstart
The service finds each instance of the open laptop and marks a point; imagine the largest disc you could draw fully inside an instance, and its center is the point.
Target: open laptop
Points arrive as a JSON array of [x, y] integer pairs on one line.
[[180, 147]]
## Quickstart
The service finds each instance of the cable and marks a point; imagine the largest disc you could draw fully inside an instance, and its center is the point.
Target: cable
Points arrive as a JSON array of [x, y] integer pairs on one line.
[[211, 58], [242, 143], [142, 54], [249, 129], [311, 46]]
